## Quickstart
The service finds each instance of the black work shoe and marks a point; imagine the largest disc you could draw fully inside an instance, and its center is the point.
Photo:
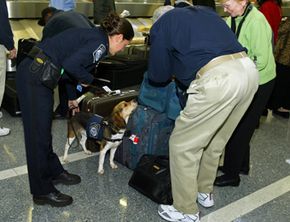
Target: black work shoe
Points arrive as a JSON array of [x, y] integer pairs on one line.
[[55, 199], [282, 114], [66, 178], [243, 171], [58, 116], [225, 180]]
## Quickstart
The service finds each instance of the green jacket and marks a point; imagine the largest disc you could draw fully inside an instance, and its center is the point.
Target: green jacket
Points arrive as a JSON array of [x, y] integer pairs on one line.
[[256, 36]]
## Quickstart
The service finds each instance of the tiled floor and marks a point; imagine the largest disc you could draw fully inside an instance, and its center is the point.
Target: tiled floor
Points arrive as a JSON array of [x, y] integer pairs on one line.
[[263, 196]]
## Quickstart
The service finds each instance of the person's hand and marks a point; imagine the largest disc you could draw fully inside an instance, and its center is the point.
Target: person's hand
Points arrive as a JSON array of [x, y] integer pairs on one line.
[[73, 106], [12, 53]]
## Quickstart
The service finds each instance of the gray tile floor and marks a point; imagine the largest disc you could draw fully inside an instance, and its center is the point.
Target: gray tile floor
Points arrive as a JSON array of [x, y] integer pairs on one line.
[[263, 196]]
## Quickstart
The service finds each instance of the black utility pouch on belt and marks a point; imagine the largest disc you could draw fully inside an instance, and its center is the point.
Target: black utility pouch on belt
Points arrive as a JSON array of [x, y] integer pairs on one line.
[[49, 73]]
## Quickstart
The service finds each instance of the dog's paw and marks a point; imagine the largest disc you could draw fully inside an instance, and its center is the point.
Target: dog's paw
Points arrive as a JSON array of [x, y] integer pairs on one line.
[[88, 152], [113, 166], [101, 172], [65, 160]]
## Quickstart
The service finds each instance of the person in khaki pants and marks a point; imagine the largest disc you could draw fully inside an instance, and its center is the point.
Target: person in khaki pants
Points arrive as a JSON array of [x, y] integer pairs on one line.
[[204, 56], [6, 43]]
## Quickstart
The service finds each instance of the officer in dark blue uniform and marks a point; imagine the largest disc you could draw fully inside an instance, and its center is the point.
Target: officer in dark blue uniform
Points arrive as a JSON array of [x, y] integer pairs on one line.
[[56, 21], [76, 51]]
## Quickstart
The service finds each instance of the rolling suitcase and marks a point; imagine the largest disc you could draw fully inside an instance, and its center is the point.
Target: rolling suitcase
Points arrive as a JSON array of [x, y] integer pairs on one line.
[[119, 72], [10, 101], [152, 129]]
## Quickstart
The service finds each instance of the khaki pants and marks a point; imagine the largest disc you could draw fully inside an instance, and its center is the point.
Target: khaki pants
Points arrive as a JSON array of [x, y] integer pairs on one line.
[[216, 103], [2, 71]]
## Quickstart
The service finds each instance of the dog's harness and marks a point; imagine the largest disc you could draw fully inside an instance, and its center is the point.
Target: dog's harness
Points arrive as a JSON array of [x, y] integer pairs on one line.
[[113, 131], [96, 126]]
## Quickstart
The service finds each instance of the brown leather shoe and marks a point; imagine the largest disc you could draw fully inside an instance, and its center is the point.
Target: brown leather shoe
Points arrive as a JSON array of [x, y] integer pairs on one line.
[[55, 199], [66, 178]]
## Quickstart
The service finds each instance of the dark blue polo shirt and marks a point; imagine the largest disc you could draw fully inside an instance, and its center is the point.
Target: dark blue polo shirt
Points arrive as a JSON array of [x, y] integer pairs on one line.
[[183, 40], [76, 50]]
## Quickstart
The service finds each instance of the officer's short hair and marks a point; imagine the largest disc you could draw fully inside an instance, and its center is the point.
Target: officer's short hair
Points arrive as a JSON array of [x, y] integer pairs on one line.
[[44, 14]]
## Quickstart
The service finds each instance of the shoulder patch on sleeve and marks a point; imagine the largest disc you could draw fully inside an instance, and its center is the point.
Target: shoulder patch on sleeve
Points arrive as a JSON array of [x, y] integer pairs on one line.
[[97, 54]]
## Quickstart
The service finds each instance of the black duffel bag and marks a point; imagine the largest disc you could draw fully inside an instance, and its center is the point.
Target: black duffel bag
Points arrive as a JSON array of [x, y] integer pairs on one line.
[[151, 177]]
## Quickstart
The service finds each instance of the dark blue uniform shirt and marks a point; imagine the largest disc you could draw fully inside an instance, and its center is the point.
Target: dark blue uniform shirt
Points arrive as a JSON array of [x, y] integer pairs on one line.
[[6, 35], [76, 50], [61, 21], [183, 40]]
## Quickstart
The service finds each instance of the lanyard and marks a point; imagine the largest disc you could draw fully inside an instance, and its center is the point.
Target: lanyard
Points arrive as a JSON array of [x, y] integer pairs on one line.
[[233, 22]]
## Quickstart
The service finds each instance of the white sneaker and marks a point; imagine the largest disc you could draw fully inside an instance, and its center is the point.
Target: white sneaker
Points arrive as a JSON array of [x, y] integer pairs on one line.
[[169, 213], [4, 131], [205, 199]]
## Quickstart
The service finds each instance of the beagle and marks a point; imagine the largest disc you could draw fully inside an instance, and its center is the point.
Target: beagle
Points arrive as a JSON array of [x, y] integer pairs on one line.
[[111, 128]]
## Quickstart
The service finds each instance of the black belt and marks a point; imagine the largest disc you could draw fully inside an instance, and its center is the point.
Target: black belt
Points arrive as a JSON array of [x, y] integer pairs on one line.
[[37, 53]]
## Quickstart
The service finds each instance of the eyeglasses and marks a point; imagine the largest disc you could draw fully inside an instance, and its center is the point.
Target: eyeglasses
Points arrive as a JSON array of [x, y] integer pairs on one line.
[[227, 4]]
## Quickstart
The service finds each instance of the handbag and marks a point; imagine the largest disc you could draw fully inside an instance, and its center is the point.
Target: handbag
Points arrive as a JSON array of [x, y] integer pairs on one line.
[[151, 177], [160, 98]]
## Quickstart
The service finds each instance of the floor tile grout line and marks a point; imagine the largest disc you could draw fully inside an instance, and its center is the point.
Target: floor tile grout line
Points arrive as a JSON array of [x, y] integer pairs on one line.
[[250, 202], [21, 170], [231, 211]]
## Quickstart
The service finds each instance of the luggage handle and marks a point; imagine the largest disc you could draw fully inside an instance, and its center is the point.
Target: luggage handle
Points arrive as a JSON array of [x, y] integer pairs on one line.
[[162, 161]]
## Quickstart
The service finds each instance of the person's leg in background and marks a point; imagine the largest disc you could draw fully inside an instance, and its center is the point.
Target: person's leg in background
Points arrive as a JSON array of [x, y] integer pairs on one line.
[[237, 151], [62, 109], [279, 101], [3, 58], [3, 131]]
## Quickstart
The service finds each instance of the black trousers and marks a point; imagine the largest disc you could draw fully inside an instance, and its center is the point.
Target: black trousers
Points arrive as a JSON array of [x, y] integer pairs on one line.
[[237, 151], [281, 93], [36, 103], [62, 108]]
